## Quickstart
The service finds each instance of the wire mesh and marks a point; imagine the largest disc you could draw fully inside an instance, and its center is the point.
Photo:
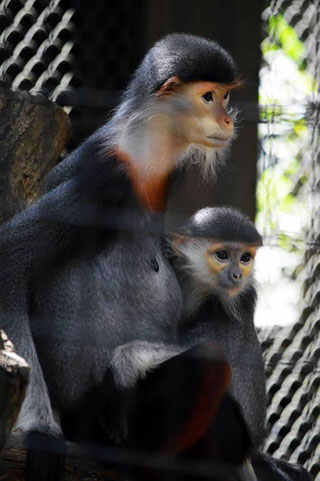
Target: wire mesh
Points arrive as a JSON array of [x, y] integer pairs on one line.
[[48, 47], [292, 354]]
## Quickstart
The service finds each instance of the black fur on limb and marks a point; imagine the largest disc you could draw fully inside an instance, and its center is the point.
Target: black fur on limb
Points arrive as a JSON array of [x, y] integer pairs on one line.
[[180, 413]]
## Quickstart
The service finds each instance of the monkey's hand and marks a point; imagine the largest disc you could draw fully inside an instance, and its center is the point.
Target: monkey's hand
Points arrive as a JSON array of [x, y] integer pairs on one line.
[[132, 361], [114, 411]]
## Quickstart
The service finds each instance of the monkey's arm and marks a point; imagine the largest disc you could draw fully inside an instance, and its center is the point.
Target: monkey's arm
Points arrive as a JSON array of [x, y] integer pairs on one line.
[[36, 415], [27, 244], [39, 237], [130, 362]]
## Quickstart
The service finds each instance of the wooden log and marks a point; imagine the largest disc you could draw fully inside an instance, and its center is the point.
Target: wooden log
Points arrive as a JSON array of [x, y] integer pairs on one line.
[[33, 134], [14, 377], [78, 464], [109, 463]]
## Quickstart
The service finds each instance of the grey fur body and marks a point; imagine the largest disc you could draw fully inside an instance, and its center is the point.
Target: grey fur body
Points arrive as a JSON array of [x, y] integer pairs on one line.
[[115, 295]]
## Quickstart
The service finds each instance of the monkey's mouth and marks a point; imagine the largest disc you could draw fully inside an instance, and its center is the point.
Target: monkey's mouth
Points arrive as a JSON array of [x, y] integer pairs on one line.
[[231, 291], [219, 141]]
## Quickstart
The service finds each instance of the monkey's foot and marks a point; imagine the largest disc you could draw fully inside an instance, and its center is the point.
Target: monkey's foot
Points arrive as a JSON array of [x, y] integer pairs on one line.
[[119, 431], [45, 458], [269, 468], [114, 417]]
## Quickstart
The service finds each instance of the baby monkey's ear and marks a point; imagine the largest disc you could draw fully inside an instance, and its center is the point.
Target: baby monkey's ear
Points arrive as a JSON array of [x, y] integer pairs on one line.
[[176, 242]]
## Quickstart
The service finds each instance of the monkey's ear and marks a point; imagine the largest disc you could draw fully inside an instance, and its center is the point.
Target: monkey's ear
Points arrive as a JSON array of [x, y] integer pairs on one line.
[[169, 85], [177, 242]]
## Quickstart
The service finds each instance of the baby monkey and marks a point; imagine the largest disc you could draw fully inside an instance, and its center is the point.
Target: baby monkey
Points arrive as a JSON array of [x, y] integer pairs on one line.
[[213, 256]]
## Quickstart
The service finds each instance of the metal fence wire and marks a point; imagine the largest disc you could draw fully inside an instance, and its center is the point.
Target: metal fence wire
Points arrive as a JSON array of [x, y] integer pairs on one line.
[[41, 50], [48, 47], [292, 354]]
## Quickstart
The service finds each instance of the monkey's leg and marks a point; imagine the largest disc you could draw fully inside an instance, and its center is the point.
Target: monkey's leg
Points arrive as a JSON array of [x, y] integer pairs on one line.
[[268, 468], [176, 403], [45, 459], [181, 408]]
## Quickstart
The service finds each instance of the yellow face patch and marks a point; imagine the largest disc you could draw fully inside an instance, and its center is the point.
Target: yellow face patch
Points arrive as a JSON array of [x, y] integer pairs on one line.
[[246, 269], [215, 266]]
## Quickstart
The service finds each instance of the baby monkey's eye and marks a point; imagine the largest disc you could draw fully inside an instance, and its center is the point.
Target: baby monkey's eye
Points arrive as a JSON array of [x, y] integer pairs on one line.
[[222, 255], [245, 258], [226, 95], [208, 97]]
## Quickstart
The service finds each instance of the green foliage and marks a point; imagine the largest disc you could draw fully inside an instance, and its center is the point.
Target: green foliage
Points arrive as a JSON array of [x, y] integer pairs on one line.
[[283, 131], [274, 191], [283, 36]]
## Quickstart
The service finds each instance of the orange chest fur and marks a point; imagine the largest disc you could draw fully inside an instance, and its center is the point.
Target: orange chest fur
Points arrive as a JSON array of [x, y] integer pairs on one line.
[[152, 192], [151, 189]]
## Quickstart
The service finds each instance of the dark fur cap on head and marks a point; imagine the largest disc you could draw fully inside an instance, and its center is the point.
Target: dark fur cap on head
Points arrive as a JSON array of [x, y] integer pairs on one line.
[[222, 223], [186, 56]]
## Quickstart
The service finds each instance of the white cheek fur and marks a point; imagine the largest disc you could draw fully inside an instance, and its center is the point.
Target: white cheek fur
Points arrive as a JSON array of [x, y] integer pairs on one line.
[[194, 252]]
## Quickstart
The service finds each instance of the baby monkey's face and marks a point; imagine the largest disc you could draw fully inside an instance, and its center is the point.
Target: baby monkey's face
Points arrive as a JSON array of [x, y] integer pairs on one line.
[[224, 268], [230, 265]]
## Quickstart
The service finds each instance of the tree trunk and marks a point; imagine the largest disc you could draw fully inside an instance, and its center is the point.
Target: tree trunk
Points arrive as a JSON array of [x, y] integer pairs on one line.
[[33, 134]]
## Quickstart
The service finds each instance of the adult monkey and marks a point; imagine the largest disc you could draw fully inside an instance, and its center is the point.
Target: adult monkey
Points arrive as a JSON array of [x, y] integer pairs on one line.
[[84, 266]]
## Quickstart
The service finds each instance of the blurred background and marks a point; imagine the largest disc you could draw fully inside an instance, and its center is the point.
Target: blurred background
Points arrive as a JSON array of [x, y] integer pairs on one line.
[[81, 55]]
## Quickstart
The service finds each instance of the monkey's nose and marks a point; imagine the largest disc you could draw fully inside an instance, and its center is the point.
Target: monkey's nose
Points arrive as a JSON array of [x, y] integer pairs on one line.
[[237, 276], [228, 121]]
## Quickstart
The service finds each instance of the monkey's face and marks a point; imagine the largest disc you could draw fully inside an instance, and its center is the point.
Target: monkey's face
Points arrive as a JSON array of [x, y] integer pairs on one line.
[[232, 265], [181, 121], [198, 113], [210, 125], [222, 268]]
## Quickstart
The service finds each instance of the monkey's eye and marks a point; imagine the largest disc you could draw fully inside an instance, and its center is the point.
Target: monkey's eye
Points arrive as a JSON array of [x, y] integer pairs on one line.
[[226, 98], [222, 255], [245, 258], [207, 97]]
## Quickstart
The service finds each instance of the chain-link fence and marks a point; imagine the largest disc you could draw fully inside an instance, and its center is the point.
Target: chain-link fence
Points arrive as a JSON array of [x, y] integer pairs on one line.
[[292, 354], [79, 57]]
